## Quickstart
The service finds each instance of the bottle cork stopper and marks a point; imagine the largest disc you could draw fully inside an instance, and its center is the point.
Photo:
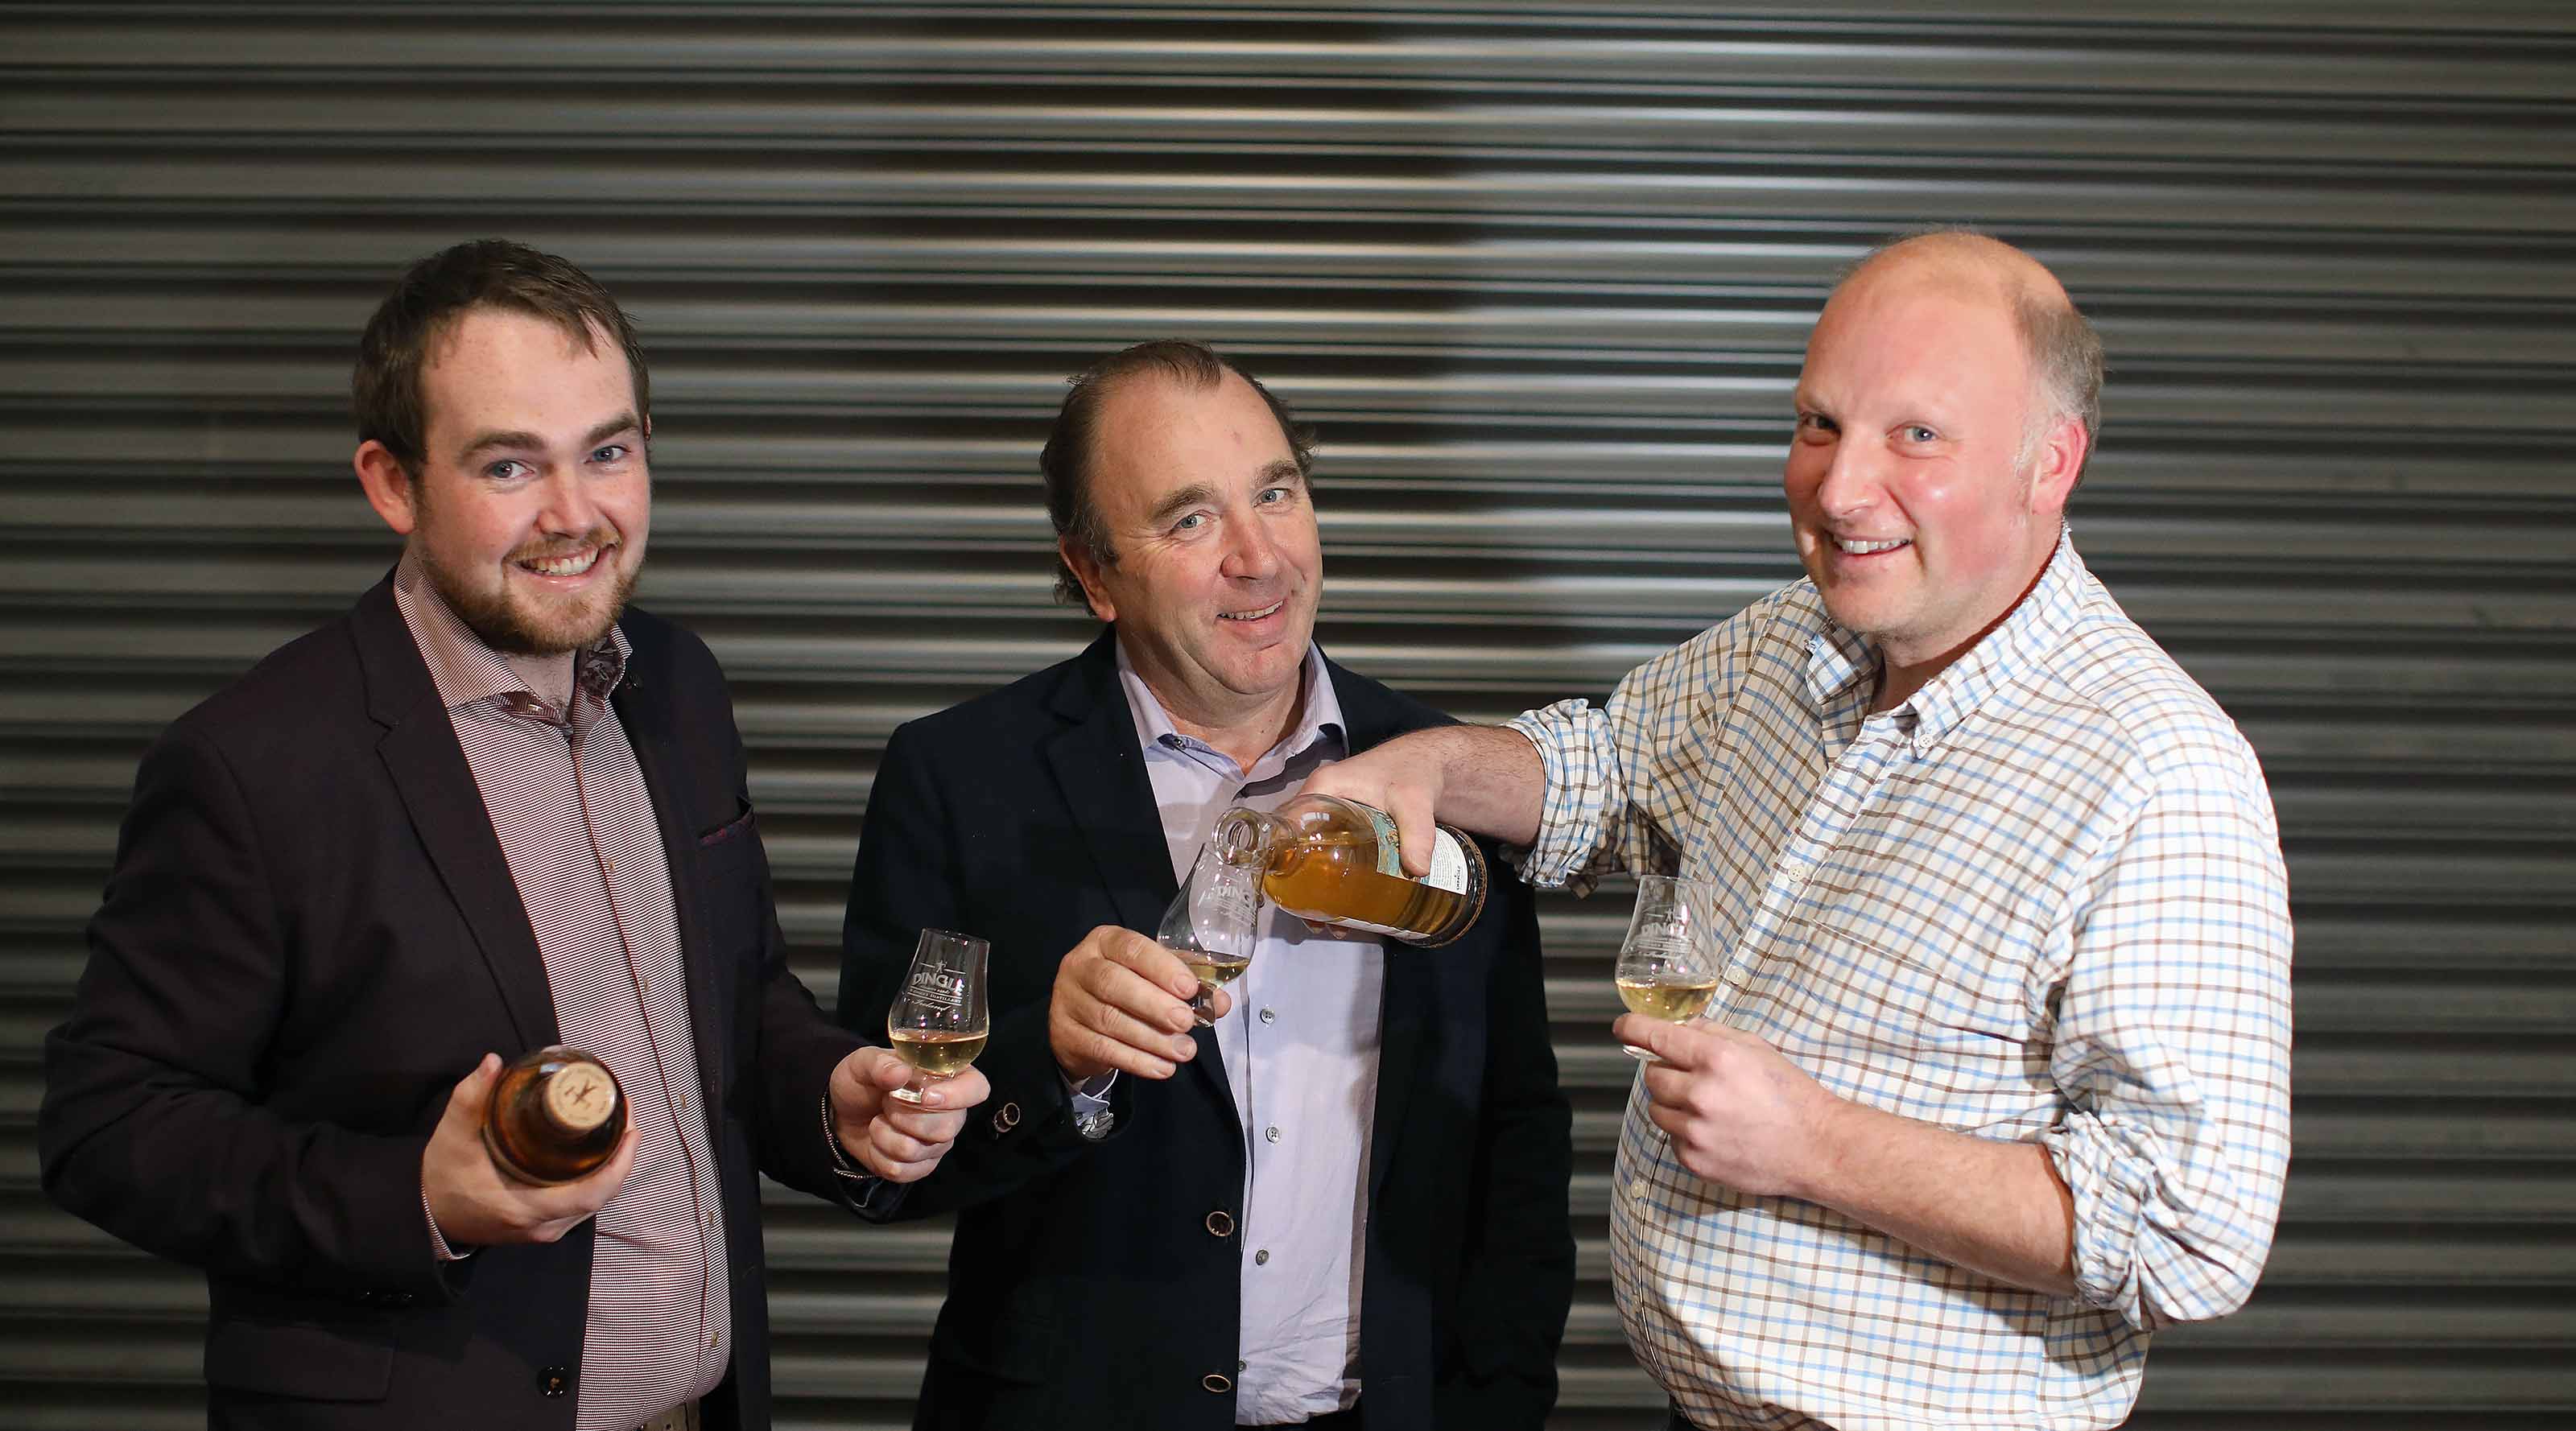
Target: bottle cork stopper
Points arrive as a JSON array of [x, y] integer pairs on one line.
[[580, 1096]]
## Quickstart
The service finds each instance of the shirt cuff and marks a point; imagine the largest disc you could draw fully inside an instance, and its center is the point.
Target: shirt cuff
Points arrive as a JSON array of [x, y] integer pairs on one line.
[[1090, 1097], [1569, 818], [438, 1240]]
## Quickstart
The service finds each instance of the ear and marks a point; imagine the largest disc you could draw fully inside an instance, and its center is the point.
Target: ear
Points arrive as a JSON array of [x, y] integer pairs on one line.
[[1087, 571], [2053, 473], [388, 486]]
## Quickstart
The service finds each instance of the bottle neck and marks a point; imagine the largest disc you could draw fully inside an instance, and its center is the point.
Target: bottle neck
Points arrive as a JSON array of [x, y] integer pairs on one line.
[[1245, 836]]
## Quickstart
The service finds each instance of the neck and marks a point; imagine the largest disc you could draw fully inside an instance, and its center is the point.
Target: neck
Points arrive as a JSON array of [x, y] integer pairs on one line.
[[1903, 671], [549, 678], [1244, 735]]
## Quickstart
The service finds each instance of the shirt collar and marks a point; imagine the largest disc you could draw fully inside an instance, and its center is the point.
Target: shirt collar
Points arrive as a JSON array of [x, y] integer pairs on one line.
[[1836, 658], [465, 670], [1318, 720]]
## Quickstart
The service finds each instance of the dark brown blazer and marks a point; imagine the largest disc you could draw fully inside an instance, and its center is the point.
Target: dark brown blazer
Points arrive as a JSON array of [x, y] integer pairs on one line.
[[309, 937]]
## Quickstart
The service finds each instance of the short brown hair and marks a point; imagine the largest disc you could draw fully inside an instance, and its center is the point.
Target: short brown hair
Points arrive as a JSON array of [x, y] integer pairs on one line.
[[1065, 461], [384, 386]]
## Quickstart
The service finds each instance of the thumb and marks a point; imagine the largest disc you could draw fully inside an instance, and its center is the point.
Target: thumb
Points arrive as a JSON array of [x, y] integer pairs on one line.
[[474, 1091]]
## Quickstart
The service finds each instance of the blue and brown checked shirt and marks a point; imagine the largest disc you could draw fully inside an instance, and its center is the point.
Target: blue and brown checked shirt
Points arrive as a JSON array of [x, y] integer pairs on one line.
[[2041, 901]]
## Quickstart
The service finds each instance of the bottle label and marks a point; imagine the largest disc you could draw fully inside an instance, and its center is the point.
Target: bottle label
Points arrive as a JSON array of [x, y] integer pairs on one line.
[[1448, 860]]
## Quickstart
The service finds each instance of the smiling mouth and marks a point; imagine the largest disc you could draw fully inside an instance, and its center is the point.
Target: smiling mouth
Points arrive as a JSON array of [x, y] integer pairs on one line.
[[575, 563], [1255, 615], [1852, 547]]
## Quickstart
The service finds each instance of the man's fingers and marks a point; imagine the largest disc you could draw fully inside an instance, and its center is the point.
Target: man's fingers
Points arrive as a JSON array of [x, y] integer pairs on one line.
[[1126, 1058], [1413, 830], [1680, 1045], [1149, 962]]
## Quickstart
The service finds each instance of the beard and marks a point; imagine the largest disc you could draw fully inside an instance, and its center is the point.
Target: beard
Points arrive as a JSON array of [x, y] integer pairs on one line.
[[519, 628]]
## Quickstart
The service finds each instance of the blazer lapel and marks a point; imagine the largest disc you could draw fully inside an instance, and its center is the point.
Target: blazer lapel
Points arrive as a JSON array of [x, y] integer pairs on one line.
[[437, 787], [1100, 769], [1407, 999]]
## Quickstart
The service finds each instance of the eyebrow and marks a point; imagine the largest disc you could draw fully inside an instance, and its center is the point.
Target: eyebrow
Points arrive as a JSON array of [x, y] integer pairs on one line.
[[516, 441]]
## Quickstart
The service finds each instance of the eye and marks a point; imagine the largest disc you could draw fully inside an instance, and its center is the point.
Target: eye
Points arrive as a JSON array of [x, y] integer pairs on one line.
[[508, 469], [1917, 432], [1190, 523], [1273, 496], [1815, 426], [613, 452]]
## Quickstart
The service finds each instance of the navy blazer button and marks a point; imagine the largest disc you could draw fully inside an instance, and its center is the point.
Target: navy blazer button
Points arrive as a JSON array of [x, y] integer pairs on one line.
[[1217, 1382], [554, 1381], [1220, 1223]]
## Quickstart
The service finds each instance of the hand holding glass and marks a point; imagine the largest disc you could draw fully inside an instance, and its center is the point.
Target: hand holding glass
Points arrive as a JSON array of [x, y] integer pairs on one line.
[[1213, 924], [1666, 969], [939, 1021]]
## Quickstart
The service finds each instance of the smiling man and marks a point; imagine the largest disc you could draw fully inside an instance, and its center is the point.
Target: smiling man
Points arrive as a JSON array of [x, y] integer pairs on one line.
[[488, 810], [1996, 1080], [1344, 1204]]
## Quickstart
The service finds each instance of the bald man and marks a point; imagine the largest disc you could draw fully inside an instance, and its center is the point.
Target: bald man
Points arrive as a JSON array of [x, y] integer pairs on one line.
[[1996, 1078]]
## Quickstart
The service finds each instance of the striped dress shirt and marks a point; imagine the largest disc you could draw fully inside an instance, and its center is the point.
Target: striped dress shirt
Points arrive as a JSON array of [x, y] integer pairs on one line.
[[2041, 901], [578, 831]]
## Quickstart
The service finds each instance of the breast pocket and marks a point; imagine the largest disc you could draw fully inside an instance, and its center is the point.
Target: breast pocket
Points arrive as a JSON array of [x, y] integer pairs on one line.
[[727, 868], [1929, 1023]]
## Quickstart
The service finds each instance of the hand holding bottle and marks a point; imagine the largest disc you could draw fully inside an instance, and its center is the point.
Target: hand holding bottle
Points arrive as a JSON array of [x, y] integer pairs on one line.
[[475, 1204]]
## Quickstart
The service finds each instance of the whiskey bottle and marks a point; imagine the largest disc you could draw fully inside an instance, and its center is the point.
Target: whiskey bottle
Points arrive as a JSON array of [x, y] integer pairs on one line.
[[556, 1114], [1334, 861]]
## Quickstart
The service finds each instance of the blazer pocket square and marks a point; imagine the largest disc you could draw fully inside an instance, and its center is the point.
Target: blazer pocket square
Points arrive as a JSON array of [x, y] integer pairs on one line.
[[734, 828]]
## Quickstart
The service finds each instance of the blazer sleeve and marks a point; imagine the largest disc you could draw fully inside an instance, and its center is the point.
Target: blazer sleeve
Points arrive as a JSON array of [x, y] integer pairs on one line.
[[909, 876], [152, 1126], [1519, 1279]]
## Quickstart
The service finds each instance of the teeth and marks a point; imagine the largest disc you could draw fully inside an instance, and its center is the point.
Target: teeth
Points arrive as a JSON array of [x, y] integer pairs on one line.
[[572, 565], [1865, 548], [1254, 615]]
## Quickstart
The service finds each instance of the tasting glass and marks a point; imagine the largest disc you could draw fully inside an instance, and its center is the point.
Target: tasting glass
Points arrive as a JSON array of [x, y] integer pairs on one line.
[[1213, 923], [941, 1011], [1667, 966]]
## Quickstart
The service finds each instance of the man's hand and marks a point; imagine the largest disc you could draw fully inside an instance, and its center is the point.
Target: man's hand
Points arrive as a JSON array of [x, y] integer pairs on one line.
[[1484, 779], [1396, 779], [898, 1141], [1122, 1001], [475, 1204], [1737, 1111]]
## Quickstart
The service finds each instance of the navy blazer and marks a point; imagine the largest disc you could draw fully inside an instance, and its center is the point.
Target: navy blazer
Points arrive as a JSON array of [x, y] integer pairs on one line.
[[310, 935], [1096, 1284]]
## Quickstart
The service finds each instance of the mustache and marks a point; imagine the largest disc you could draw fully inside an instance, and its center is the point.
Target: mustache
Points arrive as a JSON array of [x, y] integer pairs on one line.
[[600, 537]]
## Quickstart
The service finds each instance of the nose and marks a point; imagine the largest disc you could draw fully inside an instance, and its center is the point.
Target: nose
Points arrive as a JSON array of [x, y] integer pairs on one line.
[[1250, 554], [1850, 484], [571, 508]]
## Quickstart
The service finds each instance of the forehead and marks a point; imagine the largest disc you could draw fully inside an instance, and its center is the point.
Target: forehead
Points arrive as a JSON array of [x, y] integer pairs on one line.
[[1914, 338], [498, 367], [1155, 434]]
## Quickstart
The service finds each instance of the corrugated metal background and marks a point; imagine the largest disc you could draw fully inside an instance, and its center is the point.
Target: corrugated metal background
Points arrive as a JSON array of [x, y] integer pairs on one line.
[[1541, 273]]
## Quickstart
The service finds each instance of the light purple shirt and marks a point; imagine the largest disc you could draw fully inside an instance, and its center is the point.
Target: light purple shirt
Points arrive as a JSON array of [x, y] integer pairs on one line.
[[1300, 1051]]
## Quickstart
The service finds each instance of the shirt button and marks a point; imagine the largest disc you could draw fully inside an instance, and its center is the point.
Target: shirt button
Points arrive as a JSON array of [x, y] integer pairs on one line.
[[1637, 1187], [1260, 1259], [1270, 1016], [1270, 1135]]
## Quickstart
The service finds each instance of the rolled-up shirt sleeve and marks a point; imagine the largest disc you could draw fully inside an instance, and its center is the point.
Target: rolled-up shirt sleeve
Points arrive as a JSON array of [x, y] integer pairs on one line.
[[2173, 1048], [1623, 778]]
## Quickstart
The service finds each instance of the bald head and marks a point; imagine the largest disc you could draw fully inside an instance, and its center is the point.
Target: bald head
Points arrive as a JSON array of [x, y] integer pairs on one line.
[[2063, 352]]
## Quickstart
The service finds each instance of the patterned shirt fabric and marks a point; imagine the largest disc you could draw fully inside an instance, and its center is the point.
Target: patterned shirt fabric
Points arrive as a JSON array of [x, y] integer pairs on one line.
[[579, 833], [2040, 901], [1300, 1051]]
